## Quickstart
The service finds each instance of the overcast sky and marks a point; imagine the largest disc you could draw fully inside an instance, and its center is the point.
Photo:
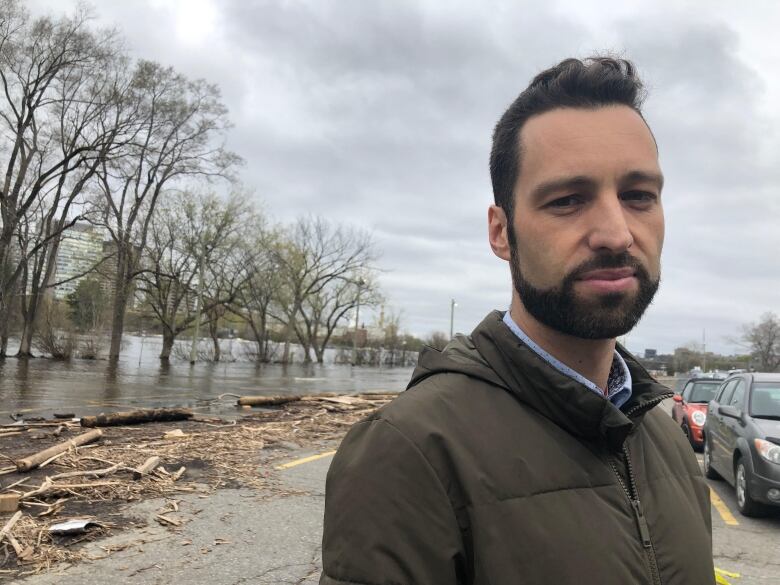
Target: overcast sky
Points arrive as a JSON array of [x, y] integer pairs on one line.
[[380, 113]]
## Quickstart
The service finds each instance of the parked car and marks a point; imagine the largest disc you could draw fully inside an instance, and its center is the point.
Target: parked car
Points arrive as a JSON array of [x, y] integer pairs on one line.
[[690, 407], [742, 440]]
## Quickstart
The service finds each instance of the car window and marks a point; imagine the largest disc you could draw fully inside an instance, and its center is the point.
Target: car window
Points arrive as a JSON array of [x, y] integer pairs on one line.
[[738, 397], [725, 394], [702, 392], [687, 391], [765, 400]]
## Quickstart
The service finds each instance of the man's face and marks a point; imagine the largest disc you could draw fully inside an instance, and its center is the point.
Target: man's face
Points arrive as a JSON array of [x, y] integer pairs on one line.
[[588, 227]]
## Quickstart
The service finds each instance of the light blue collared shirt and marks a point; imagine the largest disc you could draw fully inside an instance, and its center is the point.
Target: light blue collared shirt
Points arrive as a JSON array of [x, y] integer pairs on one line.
[[618, 382]]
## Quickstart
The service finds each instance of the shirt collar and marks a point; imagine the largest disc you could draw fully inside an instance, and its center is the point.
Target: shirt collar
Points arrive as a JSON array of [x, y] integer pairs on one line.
[[618, 382]]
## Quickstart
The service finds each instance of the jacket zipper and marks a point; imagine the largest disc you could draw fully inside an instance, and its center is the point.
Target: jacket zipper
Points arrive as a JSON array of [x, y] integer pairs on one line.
[[633, 497], [650, 404]]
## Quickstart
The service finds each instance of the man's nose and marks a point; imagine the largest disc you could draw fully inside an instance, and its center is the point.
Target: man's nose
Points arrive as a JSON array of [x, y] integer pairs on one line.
[[609, 229]]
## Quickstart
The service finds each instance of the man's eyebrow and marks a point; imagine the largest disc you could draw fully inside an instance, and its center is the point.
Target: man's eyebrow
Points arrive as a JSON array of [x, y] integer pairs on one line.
[[546, 188], [645, 176]]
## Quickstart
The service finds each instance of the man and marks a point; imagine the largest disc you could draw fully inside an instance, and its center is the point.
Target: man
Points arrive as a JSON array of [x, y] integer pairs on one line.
[[530, 452]]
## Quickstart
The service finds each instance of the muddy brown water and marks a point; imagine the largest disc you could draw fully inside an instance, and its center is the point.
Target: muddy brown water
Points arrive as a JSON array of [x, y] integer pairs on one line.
[[41, 387]]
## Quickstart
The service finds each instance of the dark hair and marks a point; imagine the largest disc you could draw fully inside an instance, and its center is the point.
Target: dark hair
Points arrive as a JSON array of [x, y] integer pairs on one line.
[[573, 83]]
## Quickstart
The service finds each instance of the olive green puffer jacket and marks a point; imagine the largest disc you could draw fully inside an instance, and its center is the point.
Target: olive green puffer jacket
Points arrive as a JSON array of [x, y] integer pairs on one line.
[[495, 469]]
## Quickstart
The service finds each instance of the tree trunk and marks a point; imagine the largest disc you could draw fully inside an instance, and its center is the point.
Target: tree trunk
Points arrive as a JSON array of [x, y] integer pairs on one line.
[[120, 305], [25, 342], [258, 341], [30, 318], [167, 345], [213, 329], [118, 322], [41, 277], [263, 341], [4, 334], [306, 353], [286, 352]]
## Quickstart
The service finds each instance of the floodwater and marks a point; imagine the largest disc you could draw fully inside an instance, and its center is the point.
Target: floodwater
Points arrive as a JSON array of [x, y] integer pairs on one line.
[[41, 387]]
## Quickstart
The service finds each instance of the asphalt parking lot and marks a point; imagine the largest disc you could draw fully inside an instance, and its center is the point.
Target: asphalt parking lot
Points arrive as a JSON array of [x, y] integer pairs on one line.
[[233, 537], [747, 546], [744, 546]]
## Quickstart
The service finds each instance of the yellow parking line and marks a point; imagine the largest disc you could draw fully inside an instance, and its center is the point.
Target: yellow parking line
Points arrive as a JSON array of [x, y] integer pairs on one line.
[[305, 460], [723, 509]]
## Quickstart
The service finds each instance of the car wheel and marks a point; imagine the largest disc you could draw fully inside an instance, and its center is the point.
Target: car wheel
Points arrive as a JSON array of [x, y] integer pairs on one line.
[[747, 505], [687, 432], [709, 472]]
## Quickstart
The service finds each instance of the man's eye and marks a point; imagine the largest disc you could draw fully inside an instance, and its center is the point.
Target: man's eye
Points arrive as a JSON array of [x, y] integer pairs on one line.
[[638, 196], [565, 202]]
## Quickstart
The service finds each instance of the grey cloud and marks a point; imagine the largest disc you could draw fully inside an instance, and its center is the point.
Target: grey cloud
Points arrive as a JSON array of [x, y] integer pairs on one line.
[[380, 114]]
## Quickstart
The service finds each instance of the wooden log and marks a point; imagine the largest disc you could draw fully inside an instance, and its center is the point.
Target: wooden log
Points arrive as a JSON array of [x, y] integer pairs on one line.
[[35, 460], [50, 487], [89, 473], [134, 417], [9, 525], [9, 503], [267, 400], [147, 467]]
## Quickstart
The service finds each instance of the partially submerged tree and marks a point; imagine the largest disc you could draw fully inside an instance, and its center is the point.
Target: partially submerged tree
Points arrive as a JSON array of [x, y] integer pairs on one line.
[[89, 305], [59, 82], [175, 136], [190, 235], [262, 288], [325, 267]]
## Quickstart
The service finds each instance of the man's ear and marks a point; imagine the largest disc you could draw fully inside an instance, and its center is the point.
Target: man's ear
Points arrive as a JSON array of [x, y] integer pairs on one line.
[[497, 232]]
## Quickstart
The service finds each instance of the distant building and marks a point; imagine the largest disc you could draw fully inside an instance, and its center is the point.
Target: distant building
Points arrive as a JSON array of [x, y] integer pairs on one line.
[[80, 250], [657, 364]]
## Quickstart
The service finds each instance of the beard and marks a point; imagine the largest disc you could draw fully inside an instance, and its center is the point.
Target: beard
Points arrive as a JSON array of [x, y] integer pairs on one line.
[[604, 317]]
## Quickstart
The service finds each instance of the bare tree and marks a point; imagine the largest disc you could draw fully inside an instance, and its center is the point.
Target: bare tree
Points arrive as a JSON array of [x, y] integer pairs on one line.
[[227, 272], [259, 255], [323, 266], [58, 79], [178, 122], [186, 232], [324, 310], [393, 337], [763, 339], [437, 340]]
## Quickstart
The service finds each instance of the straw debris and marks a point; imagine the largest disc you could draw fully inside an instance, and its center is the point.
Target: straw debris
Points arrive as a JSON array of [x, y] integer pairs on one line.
[[197, 455]]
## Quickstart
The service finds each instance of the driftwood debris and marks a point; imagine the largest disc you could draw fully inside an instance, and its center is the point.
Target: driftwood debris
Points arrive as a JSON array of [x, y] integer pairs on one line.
[[9, 503], [9, 525], [147, 467], [346, 399], [134, 417], [49, 487], [33, 461], [267, 400]]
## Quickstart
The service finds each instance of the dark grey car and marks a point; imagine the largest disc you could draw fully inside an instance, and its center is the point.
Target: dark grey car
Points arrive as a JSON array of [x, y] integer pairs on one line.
[[742, 440]]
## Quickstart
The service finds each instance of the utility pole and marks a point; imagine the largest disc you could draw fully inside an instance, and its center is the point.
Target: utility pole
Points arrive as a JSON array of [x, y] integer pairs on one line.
[[453, 304], [704, 350]]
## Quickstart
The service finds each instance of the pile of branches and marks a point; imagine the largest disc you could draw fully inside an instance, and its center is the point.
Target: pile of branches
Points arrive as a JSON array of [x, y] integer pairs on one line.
[[103, 469]]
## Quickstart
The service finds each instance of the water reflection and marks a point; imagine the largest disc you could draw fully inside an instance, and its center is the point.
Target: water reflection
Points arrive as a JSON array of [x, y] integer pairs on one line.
[[42, 386]]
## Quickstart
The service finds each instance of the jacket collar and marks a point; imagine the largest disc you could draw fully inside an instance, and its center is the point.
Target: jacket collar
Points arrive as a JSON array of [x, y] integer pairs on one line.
[[493, 353]]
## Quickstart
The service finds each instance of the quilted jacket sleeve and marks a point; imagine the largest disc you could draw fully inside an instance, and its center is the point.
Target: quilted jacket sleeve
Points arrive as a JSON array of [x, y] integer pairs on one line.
[[388, 520]]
